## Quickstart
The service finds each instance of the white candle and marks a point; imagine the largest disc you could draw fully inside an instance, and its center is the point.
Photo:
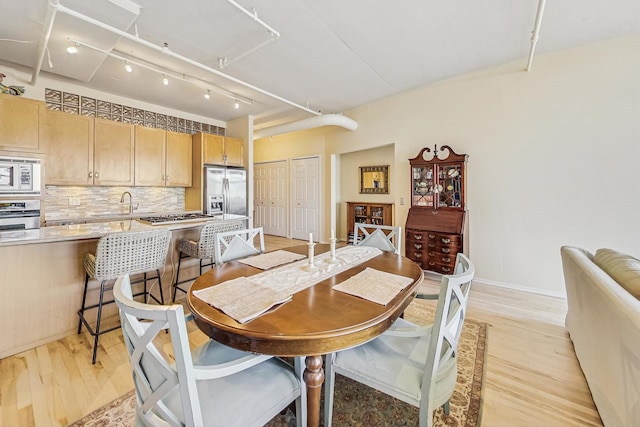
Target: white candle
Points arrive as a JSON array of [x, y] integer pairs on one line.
[[333, 233], [311, 238]]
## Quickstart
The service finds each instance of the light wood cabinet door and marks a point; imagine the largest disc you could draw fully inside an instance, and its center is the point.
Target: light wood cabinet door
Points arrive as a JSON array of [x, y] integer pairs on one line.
[[179, 159], [19, 123], [67, 140], [113, 153], [234, 151], [213, 149], [150, 155]]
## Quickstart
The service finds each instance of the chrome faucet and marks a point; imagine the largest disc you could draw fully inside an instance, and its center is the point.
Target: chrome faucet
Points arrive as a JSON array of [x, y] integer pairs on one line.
[[131, 207]]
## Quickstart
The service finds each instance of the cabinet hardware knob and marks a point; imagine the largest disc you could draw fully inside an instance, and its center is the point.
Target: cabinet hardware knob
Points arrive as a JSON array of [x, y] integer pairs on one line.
[[96, 175], [446, 250], [90, 174], [446, 259], [446, 240], [417, 245], [418, 237], [446, 269], [418, 255], [431, 245], [432, 236], [431, 263]]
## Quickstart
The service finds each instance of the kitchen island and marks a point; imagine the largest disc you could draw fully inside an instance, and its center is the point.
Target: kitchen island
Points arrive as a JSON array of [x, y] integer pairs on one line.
[[42, 277]]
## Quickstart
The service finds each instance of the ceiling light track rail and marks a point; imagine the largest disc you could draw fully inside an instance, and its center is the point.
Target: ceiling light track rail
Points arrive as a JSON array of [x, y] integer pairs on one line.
[[52, 9], [164, 49], [166, 73]]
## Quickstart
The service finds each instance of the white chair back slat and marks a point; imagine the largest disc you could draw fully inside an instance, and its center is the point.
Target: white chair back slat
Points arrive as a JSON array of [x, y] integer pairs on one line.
[[236, 244], [384, 237]]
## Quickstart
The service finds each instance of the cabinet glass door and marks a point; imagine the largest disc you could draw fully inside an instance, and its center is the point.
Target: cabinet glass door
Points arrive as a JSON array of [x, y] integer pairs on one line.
[[423, 181], [449, 186]]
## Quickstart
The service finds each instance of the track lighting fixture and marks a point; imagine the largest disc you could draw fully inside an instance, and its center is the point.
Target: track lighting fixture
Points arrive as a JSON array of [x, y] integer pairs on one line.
[[165, 80], [236, 105], [128, 67], [208, 94], [72, 48]]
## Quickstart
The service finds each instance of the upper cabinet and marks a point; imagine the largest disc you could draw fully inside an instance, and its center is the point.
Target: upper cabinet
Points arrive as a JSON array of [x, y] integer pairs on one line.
[[19, 119], [215, 148], [86, 151], [113, 153], [67, 140], [150, 156], [179, 157], [162, 158], [234, 150]]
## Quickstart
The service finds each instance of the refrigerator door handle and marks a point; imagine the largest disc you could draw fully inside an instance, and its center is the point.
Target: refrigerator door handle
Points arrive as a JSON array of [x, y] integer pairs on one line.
[[225, 189]]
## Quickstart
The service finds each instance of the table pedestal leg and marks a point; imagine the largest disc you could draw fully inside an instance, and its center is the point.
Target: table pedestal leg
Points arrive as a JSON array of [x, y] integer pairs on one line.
[[313, 377]]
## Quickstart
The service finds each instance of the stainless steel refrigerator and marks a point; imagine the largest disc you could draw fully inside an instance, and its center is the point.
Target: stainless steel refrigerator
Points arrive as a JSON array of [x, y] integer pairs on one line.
[[225, 190]]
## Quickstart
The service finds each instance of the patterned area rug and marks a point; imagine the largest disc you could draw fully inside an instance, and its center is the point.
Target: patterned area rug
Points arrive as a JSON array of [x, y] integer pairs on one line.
[[358, 405]]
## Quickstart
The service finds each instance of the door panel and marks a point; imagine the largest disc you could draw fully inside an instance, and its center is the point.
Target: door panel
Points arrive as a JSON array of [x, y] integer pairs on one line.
[[270, 197], [306, 198]]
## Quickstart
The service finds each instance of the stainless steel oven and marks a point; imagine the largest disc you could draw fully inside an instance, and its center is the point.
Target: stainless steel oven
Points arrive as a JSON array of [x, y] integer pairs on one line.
[[18, 215], [19, 176]]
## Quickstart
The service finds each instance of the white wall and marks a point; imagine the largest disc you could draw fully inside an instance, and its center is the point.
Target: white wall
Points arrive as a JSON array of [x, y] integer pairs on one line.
[[553, 155]]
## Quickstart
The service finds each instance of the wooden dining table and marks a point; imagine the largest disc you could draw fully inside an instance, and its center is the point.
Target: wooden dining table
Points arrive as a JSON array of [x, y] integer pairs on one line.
[[317, 321]]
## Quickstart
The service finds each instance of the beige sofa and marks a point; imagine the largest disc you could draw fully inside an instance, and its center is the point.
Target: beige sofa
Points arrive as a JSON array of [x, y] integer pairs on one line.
[[603, 320]]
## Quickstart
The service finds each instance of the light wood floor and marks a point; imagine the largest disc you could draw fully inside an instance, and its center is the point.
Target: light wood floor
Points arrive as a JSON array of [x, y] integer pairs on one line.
[[532, 378]]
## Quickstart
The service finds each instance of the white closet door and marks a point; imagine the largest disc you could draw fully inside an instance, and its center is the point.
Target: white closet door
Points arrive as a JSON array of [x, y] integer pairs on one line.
[[305, 195], [270, 197]]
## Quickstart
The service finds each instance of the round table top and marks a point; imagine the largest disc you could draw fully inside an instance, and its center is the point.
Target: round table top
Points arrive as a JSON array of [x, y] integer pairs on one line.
[[318, 320]]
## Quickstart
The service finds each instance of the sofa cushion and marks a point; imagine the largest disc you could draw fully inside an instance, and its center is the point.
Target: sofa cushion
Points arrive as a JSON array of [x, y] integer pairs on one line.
[[623, 268]]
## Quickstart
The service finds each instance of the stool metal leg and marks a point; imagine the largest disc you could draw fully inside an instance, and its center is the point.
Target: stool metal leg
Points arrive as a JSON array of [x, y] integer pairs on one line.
[[160, 287], [146, 294], [97, 331], [175, 285], [84, 301]]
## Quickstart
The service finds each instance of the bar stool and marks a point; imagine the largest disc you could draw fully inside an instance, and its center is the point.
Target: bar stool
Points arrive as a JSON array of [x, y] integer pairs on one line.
[[203, 248], [132, 252]]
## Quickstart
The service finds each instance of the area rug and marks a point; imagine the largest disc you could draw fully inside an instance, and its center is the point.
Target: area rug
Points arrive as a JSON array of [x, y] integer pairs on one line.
[[359, 405]]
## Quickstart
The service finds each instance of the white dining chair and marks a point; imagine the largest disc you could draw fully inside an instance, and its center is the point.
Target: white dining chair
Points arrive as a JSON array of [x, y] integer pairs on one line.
[[213, 385], [384, 237], [236, 244], [415, 364]]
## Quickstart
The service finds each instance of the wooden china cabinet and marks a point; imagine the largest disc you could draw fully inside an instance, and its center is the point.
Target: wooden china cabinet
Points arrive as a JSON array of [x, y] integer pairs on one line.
[[436, 219]]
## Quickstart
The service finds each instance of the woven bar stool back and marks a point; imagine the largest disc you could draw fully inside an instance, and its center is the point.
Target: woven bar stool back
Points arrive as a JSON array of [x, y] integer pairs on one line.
[[131, 252], [202, 249]]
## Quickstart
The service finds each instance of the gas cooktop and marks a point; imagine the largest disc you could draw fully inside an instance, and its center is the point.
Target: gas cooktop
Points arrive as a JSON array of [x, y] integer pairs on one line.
[[173, 218]]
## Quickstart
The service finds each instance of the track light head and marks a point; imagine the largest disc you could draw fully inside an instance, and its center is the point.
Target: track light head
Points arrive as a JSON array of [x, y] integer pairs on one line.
[[165, 80], [236, 105], [128, 67], [208, 94], [72, 48]]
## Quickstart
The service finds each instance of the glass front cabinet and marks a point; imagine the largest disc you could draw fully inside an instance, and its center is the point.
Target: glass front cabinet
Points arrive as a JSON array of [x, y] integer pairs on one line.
[[436, 219]]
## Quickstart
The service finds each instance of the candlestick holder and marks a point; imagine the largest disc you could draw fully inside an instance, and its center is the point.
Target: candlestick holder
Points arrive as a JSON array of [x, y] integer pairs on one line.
[[332, 257], [310, 265]]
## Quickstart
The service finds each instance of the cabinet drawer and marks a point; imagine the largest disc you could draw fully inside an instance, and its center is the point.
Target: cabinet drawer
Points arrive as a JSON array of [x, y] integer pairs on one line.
[[416, 235]]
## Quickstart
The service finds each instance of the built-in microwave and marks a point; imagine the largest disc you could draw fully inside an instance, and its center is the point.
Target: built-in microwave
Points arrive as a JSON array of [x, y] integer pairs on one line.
[[19, 175]]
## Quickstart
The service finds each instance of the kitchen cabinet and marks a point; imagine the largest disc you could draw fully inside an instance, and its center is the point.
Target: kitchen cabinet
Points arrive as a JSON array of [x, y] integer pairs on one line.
[[435, 225], [178, 163], [67, 140], [150, 156], [86, 151], [113, 153], [367, 213], [215, 147], [162, 158], [19, 123]]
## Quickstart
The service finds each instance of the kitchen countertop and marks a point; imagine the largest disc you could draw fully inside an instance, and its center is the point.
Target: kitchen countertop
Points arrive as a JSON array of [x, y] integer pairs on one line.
[[94, 230]]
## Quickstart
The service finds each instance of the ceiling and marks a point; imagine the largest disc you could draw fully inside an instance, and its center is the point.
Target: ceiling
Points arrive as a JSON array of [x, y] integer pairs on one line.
[[330, 55]]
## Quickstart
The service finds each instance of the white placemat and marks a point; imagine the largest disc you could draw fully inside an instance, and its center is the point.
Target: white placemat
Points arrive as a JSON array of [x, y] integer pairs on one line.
[[374, 285], [271, 259], [241, 298]]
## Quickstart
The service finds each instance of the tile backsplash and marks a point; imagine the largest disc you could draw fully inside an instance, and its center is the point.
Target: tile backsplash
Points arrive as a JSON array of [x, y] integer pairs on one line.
[[84, 202]]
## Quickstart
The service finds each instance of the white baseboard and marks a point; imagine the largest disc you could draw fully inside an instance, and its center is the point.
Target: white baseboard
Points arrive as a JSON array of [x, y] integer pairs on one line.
[[556, 294]]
